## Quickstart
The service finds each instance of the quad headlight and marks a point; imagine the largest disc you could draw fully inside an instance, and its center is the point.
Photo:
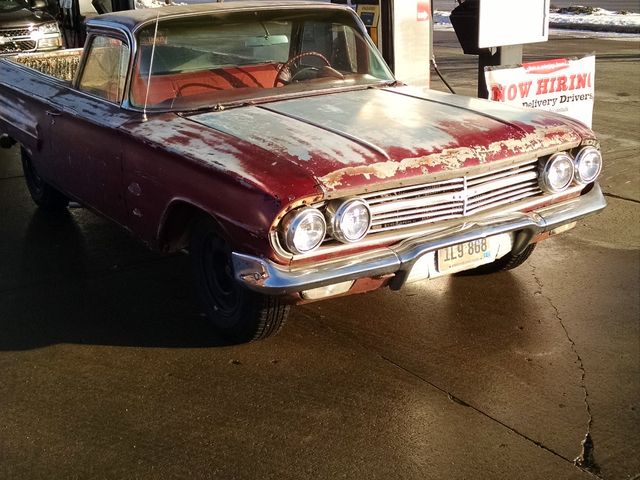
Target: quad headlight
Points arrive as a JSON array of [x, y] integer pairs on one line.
[[349, 221], [557, 173], [303, 230], [588, 165]]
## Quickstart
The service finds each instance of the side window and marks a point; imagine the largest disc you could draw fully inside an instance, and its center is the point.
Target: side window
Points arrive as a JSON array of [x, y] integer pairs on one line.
[[105, 70]]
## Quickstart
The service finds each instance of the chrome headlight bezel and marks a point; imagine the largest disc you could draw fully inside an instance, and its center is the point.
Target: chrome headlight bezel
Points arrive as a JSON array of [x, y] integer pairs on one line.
[[295, 220], [547, 169], [337, 212], [583, 156]]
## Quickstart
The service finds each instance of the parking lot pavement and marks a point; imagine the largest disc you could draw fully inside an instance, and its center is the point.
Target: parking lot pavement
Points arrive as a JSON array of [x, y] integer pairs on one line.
[[109, 370]]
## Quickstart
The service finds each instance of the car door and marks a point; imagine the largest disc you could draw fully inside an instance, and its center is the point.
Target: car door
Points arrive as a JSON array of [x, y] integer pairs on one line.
[[84, 128]]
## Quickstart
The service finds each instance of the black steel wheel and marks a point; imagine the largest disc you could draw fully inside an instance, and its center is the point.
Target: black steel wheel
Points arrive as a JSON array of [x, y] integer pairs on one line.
[[43, 194], [508, 262], [239, 314]]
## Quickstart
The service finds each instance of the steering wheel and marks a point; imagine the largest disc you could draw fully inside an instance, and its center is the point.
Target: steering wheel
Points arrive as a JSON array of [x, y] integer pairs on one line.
[[285, 68]]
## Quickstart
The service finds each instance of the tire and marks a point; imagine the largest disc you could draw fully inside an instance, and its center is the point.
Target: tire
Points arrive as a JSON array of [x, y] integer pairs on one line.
[[508, 262], [43, 194], [239, 314]]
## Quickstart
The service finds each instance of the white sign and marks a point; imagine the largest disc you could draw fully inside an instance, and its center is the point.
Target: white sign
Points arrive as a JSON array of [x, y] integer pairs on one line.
[[513, 22], [562, 85]]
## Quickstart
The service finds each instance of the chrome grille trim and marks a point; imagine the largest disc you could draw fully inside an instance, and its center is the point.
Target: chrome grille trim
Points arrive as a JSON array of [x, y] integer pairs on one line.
[[15, 33], [432, 202], [21, 46]]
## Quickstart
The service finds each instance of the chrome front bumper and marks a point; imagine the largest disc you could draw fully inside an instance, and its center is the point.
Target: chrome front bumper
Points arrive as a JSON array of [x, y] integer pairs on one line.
[[269, 278]]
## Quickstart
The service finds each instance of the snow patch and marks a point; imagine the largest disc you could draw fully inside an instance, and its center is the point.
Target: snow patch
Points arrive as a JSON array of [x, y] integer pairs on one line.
[[604, 22]]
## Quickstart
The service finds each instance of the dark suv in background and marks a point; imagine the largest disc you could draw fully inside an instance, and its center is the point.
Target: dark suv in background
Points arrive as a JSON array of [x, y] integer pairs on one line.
[[27, 27]]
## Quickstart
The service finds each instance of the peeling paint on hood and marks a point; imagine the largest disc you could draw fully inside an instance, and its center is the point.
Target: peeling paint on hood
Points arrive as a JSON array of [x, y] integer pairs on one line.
[[284, 136], [453, 158], [353, 140]]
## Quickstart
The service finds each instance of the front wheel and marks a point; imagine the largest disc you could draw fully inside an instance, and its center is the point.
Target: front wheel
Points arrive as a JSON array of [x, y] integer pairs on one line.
[[508, 262], [236, 312], [43, 194]]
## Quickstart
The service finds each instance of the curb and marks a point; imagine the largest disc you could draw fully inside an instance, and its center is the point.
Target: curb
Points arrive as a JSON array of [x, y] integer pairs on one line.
[[596, 27]]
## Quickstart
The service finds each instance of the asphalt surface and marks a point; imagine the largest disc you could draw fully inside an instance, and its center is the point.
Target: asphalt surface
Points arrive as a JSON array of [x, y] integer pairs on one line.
[[108, 370]]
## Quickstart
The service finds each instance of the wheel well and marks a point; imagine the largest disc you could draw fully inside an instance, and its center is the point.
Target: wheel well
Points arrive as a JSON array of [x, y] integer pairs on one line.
[[179, 220], [176, 227]]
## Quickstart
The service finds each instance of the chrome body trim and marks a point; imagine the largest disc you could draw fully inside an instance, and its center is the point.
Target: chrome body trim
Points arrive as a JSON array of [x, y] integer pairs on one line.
[[269, 278], [418, 230]]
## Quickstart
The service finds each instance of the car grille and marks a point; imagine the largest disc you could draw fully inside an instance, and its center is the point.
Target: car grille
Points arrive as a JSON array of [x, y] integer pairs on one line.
[[459, 197], [21, 46], [22, 32], [16, 40]]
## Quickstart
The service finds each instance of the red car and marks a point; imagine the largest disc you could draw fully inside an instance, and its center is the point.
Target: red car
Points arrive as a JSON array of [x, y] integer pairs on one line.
[[272, 141]]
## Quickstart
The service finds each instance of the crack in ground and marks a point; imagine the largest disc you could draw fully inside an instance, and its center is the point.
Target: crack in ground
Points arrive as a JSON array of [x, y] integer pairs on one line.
[[586, 459], [453, 398], [620, 197], [461, 402]]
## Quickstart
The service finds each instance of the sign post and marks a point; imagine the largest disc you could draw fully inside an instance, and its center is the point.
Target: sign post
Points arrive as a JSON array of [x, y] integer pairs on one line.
[[495, 30]]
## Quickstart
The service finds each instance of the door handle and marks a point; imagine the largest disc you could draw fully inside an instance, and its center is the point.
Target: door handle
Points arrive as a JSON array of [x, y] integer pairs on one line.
[[53, 113]]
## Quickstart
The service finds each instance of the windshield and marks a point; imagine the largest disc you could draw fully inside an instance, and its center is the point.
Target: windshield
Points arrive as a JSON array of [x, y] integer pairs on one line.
[[11, 5], [208, 60]]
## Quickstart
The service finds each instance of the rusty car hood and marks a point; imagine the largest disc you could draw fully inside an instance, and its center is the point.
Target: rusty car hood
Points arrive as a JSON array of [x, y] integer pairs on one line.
[[349, 141]]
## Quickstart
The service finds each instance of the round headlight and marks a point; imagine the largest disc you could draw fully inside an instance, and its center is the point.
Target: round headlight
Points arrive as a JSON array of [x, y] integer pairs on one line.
[[349, 221], [557, 173], [588, 165], [304, 230]]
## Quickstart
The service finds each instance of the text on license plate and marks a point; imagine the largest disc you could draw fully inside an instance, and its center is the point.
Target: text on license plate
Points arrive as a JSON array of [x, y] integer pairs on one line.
[[475, 251]]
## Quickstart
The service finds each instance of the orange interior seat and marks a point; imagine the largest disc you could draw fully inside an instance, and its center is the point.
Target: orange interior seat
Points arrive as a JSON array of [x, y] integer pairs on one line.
[[166, 87]]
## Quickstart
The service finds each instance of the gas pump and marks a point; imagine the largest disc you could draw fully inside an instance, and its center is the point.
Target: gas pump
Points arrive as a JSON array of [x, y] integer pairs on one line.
[[369, 13], [403, 32]]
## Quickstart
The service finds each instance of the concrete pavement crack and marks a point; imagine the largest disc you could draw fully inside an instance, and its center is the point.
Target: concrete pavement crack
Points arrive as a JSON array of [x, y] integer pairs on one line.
[[620, 197], [463, 403], [586, 459], [453, 398]]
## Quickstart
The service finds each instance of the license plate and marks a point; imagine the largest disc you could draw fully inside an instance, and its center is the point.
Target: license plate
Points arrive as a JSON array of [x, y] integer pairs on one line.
[[464, 254]]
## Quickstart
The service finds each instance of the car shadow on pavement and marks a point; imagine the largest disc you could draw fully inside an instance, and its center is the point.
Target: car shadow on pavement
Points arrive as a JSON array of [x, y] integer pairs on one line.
[[61, 288], [446, 319]]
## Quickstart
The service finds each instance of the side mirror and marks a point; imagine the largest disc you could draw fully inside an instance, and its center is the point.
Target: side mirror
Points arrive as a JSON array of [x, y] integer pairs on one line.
[[38, 4]]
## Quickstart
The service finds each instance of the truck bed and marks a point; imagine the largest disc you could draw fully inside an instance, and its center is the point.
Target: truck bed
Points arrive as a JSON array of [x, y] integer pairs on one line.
[[61, 64], [27, 82]]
